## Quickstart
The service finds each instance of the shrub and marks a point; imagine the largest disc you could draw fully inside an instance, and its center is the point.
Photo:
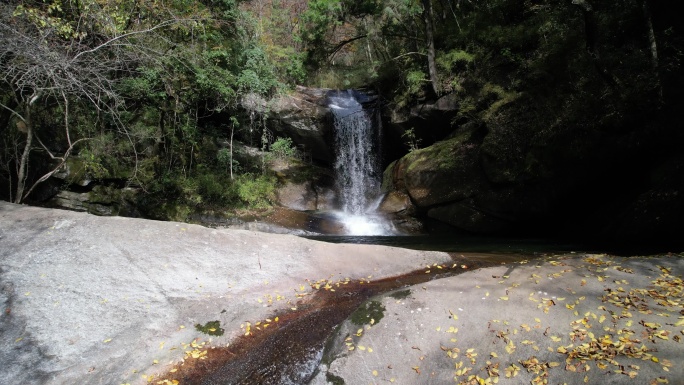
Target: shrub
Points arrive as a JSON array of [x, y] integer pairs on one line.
[[257, 191], [283, 148]]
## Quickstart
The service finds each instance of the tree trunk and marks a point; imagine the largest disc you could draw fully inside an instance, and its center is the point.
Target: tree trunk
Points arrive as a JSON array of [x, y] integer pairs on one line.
[[648, 18], [232, 130], [430, 41], [591, 32], [23, 162]]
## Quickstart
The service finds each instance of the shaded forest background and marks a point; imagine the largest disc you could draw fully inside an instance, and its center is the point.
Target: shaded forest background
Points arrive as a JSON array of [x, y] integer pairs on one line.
[[147, 96]]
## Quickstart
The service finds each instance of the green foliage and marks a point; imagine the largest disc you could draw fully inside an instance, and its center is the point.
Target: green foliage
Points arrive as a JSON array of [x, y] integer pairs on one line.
[[448, 60], [319, 16], [159, 122], [415, 81], [257, 75], [411, 140], [92, 164], [283, 148], [257, 191]]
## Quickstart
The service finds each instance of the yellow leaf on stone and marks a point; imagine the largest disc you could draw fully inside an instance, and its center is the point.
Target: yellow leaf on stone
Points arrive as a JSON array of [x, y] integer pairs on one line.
[[510, 348], [504, 298], [107, 340], [375, 372]]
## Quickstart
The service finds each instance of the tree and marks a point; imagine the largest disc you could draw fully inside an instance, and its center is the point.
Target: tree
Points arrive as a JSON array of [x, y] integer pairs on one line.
[[430, 42], [57, 54], [48, 65]]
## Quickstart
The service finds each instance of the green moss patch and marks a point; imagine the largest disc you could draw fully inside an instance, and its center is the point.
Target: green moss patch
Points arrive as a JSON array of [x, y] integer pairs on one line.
[[400, 294], [212, 328], [333, 379], [371, 310]]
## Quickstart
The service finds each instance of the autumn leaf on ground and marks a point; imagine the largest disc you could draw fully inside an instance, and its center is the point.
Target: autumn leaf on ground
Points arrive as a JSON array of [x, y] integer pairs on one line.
[[510, 348], [512, 371]]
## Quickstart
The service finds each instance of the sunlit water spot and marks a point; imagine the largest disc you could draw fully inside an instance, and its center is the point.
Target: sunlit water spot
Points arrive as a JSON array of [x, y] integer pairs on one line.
[[366, 224]]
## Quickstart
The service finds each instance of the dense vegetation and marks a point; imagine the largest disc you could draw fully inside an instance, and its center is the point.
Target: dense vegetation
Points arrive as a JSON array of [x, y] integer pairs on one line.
[[143, 94], [148, 94]]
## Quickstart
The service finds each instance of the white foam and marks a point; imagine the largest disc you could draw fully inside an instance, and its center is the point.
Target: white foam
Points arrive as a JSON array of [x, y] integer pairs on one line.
[[366, 225]]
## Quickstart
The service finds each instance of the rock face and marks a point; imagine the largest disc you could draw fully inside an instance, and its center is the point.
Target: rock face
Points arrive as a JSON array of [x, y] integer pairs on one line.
[[507, 174], [101, 200], [107, 300], [305, 187], [302, 115]]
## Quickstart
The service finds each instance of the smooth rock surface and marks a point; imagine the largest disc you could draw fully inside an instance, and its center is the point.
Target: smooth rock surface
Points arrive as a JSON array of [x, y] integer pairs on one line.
[[111, 300], [564, 320]]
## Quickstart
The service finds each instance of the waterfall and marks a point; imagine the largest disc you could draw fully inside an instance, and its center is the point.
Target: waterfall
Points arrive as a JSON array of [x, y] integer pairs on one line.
[[357, 167]]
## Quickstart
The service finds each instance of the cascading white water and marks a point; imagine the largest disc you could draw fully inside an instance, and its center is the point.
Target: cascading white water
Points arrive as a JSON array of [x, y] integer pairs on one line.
[[357, 167]]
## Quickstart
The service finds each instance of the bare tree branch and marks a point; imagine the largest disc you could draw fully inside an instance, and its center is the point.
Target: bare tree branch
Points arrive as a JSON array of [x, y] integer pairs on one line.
[[125, 35]]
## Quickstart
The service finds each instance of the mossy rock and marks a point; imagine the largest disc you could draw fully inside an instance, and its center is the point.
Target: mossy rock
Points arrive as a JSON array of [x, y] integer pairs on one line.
[[444, 172], [212, 328], [370, 310]]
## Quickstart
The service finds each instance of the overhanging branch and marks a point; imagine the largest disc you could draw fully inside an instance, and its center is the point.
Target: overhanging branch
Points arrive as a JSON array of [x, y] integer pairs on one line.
[[341, 45]]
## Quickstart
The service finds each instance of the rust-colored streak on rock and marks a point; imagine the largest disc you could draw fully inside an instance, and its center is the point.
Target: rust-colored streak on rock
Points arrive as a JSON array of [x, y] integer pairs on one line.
[[269, 354]]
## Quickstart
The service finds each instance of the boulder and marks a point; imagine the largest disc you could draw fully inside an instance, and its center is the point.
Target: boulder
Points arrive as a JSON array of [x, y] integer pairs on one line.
[[396, 202], [512, 173], [301, 115], [444, 172], [304, 186]]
